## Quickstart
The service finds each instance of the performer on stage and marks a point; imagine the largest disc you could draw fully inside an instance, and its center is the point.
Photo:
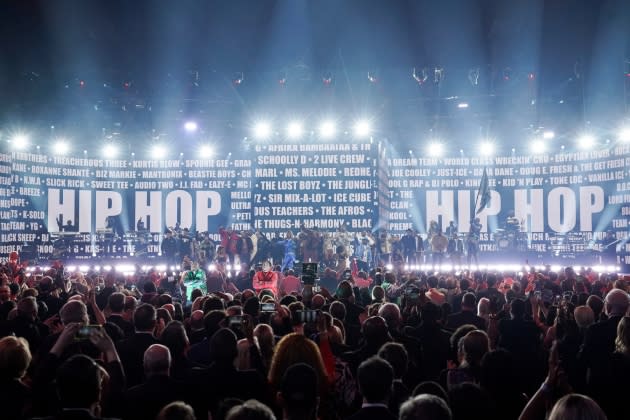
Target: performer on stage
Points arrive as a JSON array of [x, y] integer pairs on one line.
[[609, 248], [266, 279], [68, 227], [451, 229], [511, 223], [439, 243], [363, 254], [169, 248], [195, 278], [455, 249], [434, 228], [409, 246], [289, 251], [473, 240], [140, 225]]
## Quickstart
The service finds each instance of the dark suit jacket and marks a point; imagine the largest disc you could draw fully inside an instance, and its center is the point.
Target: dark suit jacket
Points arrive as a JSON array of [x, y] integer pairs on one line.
[[131, 351], [146, 400], [436, 346], [222, 380], [596, 352], [373, 413], [458, 319], [124, 325], [15, 398], [520, 337]]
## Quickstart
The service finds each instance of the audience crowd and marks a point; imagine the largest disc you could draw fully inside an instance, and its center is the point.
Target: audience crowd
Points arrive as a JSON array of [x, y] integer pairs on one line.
[[370, 345]]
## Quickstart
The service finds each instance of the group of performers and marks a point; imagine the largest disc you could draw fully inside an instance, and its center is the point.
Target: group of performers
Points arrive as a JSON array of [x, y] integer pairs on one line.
[[365, 249], [454, 245]]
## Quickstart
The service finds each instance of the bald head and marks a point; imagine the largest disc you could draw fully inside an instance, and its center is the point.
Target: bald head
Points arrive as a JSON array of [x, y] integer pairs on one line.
[[157, 360], [617, 302]]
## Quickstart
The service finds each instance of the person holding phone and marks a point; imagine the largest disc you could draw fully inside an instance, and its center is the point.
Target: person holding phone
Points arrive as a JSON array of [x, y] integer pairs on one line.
[[266, 279]]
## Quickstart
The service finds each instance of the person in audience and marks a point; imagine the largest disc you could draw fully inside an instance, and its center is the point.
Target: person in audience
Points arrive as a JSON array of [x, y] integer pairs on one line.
[[396, 355], [375, 376], [473, 347], [467, 314], [175, 339], [245, 384], [250, 410], [298, 394], [468, 400], [576, 407], [599, 343], [321, 368], [425, 406], [15, 395], [176, 410], [145, 401], [116, 306], [79, 383], [132, 349]]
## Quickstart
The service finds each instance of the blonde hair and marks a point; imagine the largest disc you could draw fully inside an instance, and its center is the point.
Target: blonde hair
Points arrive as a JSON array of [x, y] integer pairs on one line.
[[622, 342], [576, 407], [15, 357], [296, 348]]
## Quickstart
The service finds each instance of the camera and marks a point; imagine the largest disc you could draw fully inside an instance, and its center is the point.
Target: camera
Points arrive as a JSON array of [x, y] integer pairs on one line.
[[412, 293], [268, 307], [235, 320], [307, 315], [85, 331], [309, 273]]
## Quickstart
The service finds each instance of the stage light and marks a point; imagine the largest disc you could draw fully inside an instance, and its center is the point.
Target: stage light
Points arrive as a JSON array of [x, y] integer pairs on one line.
[[624, 135], [190, 126], [110, 151], [262, 130], [206, 151], [586, 141], [158, 151], [327, 129], [295, 130], [486, 148], [538, 146], [61, 147], [548, 135], [20, 141], [435, 149], [462, 105], [362, 128]]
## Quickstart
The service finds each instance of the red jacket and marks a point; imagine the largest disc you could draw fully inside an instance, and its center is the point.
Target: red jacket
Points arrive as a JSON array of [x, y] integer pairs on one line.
[[266, 280]]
